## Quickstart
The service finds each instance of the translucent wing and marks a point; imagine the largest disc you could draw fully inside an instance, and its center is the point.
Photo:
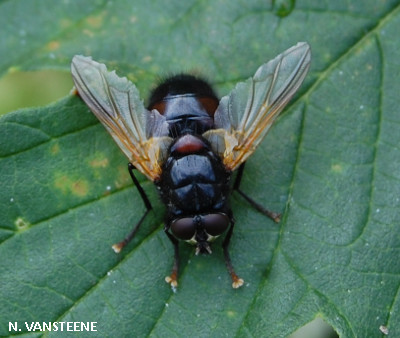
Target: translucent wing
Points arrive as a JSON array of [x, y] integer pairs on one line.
[[141, 135], [244, 116]]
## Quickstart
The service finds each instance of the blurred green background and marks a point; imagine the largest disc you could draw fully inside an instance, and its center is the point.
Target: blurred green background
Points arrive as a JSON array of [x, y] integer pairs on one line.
[[30, 89]]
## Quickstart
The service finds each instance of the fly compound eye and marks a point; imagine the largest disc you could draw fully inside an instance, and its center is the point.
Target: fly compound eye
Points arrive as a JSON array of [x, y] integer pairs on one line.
[[215, 224], [183, 228]]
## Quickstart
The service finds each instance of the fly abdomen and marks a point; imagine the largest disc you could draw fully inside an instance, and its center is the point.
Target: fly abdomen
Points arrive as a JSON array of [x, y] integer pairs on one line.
[[193, 178], [193, 183]]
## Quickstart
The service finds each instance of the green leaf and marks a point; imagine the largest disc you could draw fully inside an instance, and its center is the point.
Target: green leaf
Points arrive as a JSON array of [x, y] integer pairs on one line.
[[330, 164]]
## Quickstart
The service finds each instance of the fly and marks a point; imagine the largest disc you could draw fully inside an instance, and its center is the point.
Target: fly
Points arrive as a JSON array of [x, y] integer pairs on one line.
[[188, 142]]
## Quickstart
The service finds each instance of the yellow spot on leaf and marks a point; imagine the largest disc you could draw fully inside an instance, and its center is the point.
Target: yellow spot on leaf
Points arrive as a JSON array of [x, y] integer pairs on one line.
[[21, 224], [147, 58], [62, 183], [80, 188], [68, 186], [99, 162], [95, 21], [337, 168], [231, 314], [53, 45], [65, 23], [88, 32], [123, 177], [55, 148]]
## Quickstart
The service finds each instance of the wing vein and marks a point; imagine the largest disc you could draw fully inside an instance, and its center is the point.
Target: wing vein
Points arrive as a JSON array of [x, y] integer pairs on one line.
[[116, 103], [256, 103]]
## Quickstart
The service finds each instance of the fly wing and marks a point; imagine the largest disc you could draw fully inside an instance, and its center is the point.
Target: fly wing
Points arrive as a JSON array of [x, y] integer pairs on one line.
[[141, 135], [244, 117]]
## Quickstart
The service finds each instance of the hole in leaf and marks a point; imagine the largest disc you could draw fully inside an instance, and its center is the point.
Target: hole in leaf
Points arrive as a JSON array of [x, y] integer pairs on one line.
[[317, 328], [29, 89]]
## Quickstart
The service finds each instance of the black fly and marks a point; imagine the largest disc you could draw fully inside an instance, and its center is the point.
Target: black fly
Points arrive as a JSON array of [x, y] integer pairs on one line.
[[188, 142]]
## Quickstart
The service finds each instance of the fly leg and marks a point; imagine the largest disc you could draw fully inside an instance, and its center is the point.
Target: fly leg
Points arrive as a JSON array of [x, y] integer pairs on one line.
[[236, 186], [173, 277], [118, 246], [236, 281]]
